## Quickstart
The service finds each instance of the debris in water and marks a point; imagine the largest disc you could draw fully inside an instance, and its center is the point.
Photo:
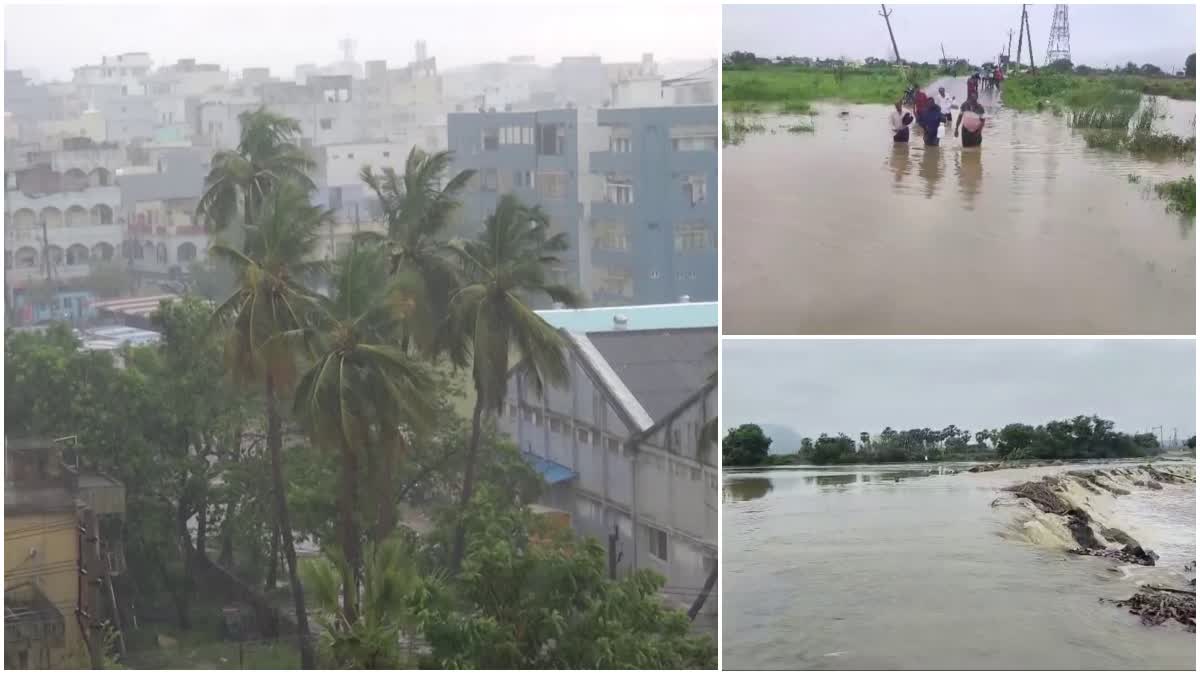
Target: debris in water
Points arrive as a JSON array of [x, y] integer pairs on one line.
[[1131, 553], [1156, 605], [1153, 485]]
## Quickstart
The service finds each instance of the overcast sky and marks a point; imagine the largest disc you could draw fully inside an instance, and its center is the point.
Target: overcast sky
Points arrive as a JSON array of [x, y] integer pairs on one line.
[[54, 39], [1100, 34], [848, 386]]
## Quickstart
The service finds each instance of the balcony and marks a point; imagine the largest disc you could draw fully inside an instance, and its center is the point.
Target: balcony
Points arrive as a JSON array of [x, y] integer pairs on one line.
[[31, 619], [606, 210]]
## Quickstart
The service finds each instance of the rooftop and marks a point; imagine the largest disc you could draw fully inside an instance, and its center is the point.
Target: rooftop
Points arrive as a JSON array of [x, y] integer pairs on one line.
[[637, 317]]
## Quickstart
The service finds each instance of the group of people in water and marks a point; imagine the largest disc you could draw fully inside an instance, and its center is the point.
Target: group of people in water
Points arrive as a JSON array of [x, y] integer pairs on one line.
[[931, 112]]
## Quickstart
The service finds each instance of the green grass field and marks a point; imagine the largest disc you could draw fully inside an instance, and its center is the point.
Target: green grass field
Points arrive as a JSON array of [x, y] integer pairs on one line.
[[1029, 92], [792, 89]]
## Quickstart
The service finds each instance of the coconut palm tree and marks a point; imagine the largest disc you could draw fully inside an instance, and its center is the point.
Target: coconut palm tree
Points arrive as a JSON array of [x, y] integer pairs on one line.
[[270, 299], [240, 179], [418, 207], [359, 381], [489, 319]]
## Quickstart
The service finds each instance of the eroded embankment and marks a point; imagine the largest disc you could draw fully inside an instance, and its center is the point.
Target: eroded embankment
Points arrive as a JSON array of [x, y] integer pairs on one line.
[[1073, 511]]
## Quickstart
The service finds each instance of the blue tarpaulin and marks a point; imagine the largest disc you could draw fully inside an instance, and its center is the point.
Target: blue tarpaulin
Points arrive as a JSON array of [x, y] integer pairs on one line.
[[552, 472]]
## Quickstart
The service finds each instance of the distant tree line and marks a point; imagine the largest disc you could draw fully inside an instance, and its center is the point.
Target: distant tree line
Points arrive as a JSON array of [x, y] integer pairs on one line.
[[1080, 437], [742, 59]]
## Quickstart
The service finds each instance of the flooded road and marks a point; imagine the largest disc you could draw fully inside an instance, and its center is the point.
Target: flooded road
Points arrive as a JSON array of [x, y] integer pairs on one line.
[[898, 567], [841, 231]]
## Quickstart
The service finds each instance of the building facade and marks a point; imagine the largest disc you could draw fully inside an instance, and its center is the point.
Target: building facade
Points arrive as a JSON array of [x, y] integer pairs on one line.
[[653, 224]]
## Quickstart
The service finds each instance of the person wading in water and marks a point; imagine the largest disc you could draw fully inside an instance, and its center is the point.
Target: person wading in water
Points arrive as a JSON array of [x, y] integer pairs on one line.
[[973, 85], [900, 119], [972, 127], [930, 119]]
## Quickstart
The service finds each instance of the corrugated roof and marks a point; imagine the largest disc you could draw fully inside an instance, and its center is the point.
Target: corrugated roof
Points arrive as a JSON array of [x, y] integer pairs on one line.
[[637, 317], [660, 368]]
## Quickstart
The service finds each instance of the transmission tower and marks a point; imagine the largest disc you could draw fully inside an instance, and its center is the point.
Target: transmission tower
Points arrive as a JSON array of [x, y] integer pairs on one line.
[[1059, 45], [347, 45]]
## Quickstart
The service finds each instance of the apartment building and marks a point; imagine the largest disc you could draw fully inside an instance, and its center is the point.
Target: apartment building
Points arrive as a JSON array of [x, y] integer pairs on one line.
[[533, 155], [621, 445], [652, 228], [158, 203]]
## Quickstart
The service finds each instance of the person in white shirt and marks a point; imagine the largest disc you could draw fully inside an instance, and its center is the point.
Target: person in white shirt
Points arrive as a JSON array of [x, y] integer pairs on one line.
[[944, 102], [899, 119]]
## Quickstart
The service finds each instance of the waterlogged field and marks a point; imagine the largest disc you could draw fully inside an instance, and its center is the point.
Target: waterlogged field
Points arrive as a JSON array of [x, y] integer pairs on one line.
[[837, 230], [908, 566]]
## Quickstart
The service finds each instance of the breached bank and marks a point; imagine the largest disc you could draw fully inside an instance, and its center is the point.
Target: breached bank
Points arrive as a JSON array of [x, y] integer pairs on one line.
[[1075, 512]]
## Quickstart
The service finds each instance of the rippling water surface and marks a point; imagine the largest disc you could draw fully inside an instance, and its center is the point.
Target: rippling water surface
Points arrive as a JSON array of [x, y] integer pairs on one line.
[[903, 567], [841, 231]]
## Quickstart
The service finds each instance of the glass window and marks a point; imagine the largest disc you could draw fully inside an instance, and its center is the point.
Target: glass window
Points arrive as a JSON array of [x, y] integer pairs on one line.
[[691, 237], [657, 540]]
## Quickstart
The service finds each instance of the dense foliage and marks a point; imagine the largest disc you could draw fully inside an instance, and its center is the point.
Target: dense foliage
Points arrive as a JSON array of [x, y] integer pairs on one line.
[[1081, 437]]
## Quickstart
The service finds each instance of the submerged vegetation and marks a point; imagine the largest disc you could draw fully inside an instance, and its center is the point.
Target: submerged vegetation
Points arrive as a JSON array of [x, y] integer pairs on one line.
[[734, 131], [1077, 438], [1180, 195], [1033, 91]]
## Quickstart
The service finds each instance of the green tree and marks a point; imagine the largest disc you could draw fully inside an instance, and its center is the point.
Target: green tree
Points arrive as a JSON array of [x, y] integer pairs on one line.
[[1189, 66], [490, 321], [359, 382], [417, 207], [529, 597], [241, 179], [392, 594], [269, 301], [745, 445]]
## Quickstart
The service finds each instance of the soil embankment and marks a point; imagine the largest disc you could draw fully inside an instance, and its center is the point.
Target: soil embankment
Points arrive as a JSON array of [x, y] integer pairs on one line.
[[1074, 511]]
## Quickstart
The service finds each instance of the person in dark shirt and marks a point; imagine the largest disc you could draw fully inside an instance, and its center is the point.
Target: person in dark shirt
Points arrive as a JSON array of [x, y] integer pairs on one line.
[[899, 122], [973, 85], [930, 120], [970, 139]]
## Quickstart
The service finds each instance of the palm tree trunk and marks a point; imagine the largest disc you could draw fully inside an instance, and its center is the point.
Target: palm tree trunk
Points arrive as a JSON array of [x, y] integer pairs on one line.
[[275, 447], [468, 488], [349, 532], [390, 443], [273, 566]]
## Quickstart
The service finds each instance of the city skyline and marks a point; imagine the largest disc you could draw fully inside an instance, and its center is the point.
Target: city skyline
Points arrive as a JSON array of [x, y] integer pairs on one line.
[[53, 43]]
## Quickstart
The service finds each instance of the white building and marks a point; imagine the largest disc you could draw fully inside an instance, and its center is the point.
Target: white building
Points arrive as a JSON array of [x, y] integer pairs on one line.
[[624, 441]]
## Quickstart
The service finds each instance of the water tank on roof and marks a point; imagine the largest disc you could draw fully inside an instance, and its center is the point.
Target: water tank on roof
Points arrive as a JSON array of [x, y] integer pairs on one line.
[[620, 322]]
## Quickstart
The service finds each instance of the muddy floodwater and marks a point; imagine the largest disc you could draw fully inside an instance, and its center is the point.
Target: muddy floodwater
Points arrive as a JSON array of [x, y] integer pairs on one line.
[[840, 231], [907, 567]]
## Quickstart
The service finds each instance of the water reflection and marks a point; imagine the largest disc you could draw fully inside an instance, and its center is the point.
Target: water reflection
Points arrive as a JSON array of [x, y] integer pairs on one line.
[[743, 489], [931, 168], [969, 163], [897, 476], [898, 161], [832, 479]]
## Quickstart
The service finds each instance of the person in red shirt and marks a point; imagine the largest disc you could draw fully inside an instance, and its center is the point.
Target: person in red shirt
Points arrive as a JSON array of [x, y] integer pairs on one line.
[[998, 76], [973, 85], [920, 102]]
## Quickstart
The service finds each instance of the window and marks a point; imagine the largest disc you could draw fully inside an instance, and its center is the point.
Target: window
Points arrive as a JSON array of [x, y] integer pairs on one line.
[[695, 189], [691, 237], [675, 438], [694, 143], [516, 136], [528, 414], [349, 155], [709, 564], [386, 153], [581, 435], [613, 445], [550, 139], [611, 237], [512, 411], [555, 424], [489, 180], [655, 274], [526, 135], [613, 281], [620, 144], [695, 474], [553, 184], [327, 123], [523, 179], [537, 418], [618, 191], [491, 139], [657, 540]]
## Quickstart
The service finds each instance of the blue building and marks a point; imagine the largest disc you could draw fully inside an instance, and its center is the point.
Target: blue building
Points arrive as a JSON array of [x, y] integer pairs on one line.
[[653, 225], [534, 155]]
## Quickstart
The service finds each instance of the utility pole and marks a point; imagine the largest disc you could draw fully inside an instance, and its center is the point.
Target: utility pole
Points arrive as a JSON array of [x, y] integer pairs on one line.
[[1009, 52], [1020, 35], [883, 11], [1029, 35], [613, 558]]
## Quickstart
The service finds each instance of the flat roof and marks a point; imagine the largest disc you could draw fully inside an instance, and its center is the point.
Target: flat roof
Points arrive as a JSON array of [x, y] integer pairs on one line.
[[637, 317]]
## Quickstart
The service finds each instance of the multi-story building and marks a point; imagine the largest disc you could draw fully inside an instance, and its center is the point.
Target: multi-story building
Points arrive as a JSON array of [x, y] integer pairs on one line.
[[622, 445], [158, 205], [652, 231], [58, 567], [533, 155], [58, 226]]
